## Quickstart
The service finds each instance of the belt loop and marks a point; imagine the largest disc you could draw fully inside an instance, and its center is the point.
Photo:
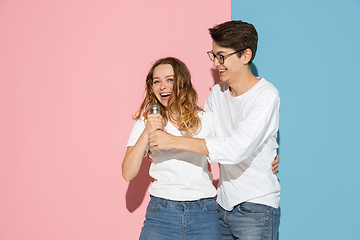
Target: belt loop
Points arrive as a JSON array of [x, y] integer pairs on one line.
[[164, 203], [201, 204]]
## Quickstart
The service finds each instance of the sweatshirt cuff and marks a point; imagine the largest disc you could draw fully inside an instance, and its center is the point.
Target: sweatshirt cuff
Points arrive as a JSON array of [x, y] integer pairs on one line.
[[210, 145]]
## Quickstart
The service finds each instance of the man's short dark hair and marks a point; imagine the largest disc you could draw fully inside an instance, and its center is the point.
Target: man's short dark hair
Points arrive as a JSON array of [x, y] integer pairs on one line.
[[237, 35]]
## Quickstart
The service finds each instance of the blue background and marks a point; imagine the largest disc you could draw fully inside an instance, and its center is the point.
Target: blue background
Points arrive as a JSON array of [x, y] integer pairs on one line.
[[309, 50]]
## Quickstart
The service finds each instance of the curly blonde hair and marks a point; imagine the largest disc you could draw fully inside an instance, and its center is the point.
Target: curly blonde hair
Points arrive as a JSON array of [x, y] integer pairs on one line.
[[183, 99]]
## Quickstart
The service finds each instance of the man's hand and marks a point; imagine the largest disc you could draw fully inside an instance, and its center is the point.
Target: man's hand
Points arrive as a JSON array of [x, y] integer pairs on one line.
[[160, 140], [275, 164]]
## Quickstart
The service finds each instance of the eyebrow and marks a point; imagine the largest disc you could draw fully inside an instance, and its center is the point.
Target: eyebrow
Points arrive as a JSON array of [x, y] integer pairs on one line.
[[165, 77], [220, 52]]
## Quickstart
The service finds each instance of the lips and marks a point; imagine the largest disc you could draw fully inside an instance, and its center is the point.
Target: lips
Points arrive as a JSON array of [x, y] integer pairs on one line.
[[165, 95], [221, 71]]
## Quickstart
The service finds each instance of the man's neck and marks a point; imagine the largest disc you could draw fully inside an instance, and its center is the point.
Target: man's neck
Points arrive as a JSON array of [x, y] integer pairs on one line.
[[243, 84]]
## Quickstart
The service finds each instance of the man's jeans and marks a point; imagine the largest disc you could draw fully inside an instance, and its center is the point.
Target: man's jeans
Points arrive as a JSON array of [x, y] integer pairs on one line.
[[249, 221]]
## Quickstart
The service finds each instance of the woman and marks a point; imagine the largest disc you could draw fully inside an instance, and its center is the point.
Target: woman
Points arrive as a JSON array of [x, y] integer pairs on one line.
[[182, 196]]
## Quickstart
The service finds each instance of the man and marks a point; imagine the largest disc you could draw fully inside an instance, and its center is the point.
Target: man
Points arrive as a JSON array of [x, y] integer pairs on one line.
[[246, 117]]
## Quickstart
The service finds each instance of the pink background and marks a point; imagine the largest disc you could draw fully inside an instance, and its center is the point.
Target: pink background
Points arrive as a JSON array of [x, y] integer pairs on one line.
[[72, 74]]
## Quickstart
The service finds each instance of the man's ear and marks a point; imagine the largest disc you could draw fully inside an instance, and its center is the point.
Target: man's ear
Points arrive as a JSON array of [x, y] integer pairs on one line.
[[247, 56]]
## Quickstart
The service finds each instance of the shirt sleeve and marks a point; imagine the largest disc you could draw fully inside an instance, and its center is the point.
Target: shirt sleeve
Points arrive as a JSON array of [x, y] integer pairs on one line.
[[207, 125], [208, 103], [136, 131], [260, 123]]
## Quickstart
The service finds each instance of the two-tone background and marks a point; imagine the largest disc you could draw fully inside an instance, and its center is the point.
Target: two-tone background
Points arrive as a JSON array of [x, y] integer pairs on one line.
[[72, 74]]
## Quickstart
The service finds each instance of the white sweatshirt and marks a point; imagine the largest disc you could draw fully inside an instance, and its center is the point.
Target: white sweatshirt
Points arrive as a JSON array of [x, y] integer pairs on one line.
[[245, 144]]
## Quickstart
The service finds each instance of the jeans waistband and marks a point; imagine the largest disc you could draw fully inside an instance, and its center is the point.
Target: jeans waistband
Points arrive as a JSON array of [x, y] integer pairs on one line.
[[202, 200]]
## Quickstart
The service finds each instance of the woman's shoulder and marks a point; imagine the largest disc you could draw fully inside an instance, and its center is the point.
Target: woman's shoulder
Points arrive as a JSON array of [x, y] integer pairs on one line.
[[140, 122]]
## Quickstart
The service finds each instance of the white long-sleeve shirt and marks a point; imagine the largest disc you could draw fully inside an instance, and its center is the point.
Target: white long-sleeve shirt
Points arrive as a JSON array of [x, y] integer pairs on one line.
[[245, 144]]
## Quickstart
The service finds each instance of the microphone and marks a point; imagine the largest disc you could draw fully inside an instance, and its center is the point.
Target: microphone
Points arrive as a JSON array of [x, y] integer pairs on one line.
[[154, 108]]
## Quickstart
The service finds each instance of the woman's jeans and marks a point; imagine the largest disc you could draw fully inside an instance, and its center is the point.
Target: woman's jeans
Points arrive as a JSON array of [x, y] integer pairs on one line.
[[177, 220], [249, 221]]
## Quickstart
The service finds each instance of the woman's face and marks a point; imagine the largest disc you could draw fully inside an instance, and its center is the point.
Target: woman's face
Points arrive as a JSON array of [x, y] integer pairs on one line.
[[163, 83]]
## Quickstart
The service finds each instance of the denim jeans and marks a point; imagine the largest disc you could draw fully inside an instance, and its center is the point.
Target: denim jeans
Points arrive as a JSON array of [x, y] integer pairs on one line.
[[176, 220], [249, 221]]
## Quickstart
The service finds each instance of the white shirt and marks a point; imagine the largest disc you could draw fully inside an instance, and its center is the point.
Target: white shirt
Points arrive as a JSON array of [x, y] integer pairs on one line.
[[179, 175], [245, 144]]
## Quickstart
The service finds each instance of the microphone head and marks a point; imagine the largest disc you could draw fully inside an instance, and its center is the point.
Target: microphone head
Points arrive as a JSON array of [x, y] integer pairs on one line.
[[154, 108]]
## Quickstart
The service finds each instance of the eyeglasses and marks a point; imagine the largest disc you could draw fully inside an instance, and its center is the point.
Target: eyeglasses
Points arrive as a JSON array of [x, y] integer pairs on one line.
[[219, 57]]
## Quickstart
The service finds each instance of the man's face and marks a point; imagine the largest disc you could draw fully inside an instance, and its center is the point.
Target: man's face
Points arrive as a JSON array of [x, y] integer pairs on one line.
[[232, 66]]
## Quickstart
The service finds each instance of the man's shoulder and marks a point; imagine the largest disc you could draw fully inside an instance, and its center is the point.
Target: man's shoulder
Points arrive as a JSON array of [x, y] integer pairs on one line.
[[265, 86], [205, 114]]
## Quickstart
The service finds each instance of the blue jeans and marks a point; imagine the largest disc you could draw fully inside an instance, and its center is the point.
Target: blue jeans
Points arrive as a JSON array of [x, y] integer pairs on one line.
[[249, 221], [176, 220]]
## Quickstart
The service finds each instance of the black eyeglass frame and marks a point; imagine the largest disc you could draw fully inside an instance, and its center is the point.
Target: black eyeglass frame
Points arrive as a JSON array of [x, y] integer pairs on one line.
[[219, 57]]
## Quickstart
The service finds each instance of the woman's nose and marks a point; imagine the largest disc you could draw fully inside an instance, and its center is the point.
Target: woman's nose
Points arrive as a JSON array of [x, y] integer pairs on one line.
[[163, 85]]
